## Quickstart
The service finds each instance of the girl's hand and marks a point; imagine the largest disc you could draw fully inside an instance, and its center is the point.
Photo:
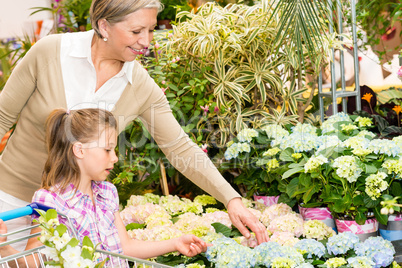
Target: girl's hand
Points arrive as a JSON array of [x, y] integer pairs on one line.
[[190, 245], [3, 230]]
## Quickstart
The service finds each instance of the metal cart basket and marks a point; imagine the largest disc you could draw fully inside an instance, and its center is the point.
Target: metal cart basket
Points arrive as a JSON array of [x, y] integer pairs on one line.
[[20, 259]]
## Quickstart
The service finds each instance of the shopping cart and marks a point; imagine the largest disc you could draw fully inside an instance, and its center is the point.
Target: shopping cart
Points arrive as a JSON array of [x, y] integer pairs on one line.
[[21, 259]]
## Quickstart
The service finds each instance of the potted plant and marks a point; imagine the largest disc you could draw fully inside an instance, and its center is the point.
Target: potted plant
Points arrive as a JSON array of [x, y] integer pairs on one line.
[[342, 166], [258, 166]]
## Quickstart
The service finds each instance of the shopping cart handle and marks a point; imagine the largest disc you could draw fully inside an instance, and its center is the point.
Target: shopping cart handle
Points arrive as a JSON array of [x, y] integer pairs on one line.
[[24, 211]]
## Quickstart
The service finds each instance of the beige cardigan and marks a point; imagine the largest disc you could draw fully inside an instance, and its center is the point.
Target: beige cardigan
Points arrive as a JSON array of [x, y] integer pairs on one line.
[[35, 88]]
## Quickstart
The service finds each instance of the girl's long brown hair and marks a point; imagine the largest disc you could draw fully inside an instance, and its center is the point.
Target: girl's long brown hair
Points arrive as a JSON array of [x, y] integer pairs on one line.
[[63, 129]]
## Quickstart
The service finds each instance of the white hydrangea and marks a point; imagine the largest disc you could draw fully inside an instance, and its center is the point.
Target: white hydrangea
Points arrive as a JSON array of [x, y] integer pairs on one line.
[[346, 167], [247, 134], [314, 163], [328, 125], [365, 133], [299, 142], [275, 131], [304, 129], [375, 184], [328, 141], [384, 146], [357, 142]]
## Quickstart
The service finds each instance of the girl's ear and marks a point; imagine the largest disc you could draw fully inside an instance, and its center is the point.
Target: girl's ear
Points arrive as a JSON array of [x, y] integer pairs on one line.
[[103, 26], [78, 150]]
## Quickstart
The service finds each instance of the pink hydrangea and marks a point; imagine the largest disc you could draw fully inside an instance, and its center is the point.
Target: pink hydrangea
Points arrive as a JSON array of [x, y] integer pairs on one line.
[[291, 222], [139, 214], [251, 242], [274, 211], [284, 238], [217, 216]]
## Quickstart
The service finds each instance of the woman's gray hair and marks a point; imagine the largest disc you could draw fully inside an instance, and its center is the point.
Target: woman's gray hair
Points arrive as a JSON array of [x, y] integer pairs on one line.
[[115, 11]]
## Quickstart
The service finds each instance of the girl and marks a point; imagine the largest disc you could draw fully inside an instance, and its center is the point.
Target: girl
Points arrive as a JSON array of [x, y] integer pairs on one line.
[[81, 152]]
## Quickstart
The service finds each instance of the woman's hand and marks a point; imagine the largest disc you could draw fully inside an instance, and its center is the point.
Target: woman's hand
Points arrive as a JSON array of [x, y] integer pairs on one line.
[[3, 230], [242, 217], [190, 245]]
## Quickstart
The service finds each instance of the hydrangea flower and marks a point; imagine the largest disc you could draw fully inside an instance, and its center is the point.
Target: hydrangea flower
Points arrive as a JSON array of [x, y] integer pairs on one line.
[[225, 252], [271, 152], [284, 238], [363, 121], [328, 141], [366, 133], [236, 148], [314, 163], [275, 131], [360, 262], [291, 222], [189, 223], [393, 166], [384, 146], [281, 262], [305, 129], [299, 142], [205, 200], [361, 152], [335, 262], [379, 250], [247, 135], [357, 142], [317, 229], [375, 184], [218, 216], [328, 125], [272, 164], [311, 247], [346, 167], [274, 211], [265, 253], [139, 213], [348, 127], [342, 243]]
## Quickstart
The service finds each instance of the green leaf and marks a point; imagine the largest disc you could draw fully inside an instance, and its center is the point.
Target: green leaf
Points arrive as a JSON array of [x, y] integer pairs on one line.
[[134, 225], [73, 242], [370, 169], [291, 172], [61, 229], [286, 155], [87, 242], [221, 228], [51, 214], [86, 254]]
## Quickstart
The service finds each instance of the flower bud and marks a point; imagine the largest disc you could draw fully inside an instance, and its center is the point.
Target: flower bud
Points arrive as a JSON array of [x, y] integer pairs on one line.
[[384, 211], [391, 211]]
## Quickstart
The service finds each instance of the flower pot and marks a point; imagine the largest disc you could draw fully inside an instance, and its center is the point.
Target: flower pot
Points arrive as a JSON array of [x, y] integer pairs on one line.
[[266, 200], [321, 213], [393, 230], [368, 229]]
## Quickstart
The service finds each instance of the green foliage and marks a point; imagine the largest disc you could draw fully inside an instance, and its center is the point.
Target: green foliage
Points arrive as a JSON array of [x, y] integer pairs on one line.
[[251, 65], [70, 15]]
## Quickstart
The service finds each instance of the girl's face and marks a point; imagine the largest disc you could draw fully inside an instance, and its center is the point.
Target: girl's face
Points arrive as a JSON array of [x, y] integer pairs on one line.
[[128, 38], [99, 156]]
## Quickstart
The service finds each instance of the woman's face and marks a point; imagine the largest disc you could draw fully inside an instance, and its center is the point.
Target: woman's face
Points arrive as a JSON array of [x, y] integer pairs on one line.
[[129, 37]]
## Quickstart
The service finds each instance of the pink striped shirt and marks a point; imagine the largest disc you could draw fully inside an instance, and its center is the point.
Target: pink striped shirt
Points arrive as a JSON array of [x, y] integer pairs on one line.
[[96, 222]]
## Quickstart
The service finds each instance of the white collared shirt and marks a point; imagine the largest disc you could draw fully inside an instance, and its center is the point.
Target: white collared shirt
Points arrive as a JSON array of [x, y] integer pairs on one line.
[[79, 75]]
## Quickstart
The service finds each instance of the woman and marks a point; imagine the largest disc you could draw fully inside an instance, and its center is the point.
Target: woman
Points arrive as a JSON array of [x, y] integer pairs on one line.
[[97, 69]]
